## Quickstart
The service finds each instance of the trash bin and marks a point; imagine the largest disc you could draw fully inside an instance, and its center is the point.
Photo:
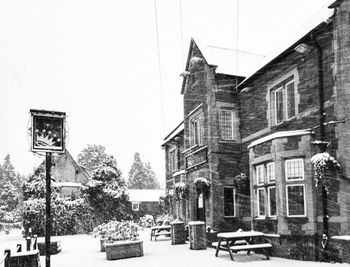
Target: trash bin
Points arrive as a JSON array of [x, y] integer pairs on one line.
[[197, 235], [177, 232], [212, 236]]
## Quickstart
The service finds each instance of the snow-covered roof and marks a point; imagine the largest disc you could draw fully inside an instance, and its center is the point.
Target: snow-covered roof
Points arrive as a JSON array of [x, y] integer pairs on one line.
[[145, 195], [69, 184], [174, 133], [229, 61], [321, 16], [278, 135]]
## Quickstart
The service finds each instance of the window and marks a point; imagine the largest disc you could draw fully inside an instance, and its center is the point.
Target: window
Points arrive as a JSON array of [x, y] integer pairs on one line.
[[296, 200], [283, 101], [294, 169], [266, 190], [271, 199], [195, 131], [229, 202], [172, 160], [261, 202], [270, 172], [135, 206], [226, 124], [260, 174]]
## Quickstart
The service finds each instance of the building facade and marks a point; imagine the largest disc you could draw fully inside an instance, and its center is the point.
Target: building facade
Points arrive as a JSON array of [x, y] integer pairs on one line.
[[252, 140]]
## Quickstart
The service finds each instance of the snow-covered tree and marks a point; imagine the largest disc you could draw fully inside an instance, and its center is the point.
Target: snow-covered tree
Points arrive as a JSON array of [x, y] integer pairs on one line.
[[141, 176], [91, 158], [7, 170], [106, 193]]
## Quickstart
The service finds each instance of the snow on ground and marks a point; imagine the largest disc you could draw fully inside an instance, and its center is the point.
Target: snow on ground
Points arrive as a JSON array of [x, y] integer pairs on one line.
[[84, 250]]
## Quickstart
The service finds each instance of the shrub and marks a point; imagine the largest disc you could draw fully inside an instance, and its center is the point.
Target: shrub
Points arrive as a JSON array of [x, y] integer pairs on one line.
[[117, 231]]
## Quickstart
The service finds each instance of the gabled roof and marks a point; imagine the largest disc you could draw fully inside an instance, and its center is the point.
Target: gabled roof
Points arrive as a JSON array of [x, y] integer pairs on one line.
[[225, 60], [319, 19], [145, 195]]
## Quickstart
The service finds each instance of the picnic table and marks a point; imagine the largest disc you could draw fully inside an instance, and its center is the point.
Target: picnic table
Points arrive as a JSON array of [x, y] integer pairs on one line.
[[160, 230], [239, 241]]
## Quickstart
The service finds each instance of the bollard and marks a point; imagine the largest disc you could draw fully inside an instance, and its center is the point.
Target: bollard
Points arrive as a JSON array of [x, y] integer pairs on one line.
[[7, 254], [29, 241], [35, 242]]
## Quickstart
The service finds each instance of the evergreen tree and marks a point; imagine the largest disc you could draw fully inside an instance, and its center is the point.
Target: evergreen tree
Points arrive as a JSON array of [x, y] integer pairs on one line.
[[91, 158], [8, 171], [106, 193], [141, 176]]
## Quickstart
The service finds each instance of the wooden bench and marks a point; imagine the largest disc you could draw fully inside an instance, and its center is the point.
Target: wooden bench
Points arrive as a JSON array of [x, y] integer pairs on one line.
[[249, 247], [160, 230]]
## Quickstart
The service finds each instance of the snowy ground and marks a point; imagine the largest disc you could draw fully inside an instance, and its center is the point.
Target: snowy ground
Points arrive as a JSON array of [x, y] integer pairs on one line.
[[83, 250]]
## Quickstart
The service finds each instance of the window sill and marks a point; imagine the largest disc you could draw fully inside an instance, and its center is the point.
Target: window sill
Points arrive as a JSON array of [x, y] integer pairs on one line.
[[301, 219], [260, 218], [229, 217]]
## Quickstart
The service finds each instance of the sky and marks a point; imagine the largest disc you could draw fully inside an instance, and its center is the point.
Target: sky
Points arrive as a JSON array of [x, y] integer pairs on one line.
[[98, 61]]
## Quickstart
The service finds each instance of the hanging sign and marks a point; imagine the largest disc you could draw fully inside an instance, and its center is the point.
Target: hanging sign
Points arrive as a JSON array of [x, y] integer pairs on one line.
[[47, 131]]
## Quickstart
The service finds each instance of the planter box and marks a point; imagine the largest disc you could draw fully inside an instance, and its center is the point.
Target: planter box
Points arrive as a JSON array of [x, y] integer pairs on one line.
[[55, 247], [124, 249]]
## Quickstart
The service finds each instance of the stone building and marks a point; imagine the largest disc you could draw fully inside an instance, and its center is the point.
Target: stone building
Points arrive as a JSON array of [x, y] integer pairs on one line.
[[68, 174], [252, 138]]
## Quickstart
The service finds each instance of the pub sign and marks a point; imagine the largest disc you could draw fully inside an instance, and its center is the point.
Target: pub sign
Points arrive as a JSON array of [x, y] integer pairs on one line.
[[47, 131]]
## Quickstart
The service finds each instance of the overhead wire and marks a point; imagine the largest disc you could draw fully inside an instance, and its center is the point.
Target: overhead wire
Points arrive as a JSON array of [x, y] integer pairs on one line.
[[182, 36], [159, 66]]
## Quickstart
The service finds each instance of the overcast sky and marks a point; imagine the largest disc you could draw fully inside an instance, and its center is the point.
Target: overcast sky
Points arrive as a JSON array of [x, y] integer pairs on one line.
[[98, 62]]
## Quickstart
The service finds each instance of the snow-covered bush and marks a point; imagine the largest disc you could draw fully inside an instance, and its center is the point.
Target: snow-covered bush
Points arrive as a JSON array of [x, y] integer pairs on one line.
[[202, 184], [117, 231], [322, 163], [146, 221], [181, 191]]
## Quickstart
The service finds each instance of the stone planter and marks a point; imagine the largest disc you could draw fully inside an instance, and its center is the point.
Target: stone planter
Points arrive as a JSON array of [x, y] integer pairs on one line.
[[102, 246], [124, 249]]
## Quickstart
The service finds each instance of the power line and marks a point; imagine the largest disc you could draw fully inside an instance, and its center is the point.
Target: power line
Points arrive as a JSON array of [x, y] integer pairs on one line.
[[182, 37], [159, 66]]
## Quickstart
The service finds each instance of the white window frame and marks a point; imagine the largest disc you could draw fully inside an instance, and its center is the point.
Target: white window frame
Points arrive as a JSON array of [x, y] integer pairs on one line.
[[269, 200], [137, 204], [286, 105], [234, 202], [283, 89], [286, 169], [273, 172], [222, 126], [196, 128], [261, 166], [172, 164], [293, 185], [262, 189]]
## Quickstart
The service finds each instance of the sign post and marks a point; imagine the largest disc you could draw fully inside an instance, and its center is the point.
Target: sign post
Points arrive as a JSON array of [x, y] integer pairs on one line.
[[48, 136]]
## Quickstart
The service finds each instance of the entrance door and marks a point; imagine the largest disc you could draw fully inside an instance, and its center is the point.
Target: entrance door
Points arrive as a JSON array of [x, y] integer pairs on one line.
[[200, 208]]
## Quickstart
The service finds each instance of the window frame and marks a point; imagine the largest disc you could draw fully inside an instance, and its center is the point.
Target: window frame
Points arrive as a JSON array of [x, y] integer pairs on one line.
[[267, 172], [261, 189], [229, 125], [234, 201], [269, 201], [263, 174], [287, 202], [282, 86], [173, 164], [135, 203], [286, 169], [196, 130]]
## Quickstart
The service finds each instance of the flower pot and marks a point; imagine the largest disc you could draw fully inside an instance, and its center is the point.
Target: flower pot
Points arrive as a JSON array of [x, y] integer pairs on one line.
[[124, 249]]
